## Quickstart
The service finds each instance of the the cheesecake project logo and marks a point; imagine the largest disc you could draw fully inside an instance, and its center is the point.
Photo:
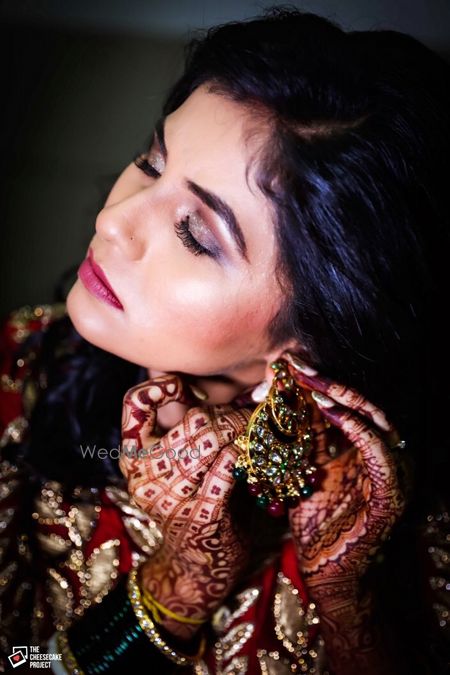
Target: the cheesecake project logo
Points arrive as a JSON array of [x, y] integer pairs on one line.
[[33, 656]]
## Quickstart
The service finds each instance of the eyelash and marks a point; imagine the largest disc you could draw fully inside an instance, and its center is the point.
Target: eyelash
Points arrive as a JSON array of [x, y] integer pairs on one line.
[[182, 227]]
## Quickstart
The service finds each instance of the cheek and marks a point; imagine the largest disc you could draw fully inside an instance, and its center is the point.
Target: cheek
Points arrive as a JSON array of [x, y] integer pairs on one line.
[[216, 318]]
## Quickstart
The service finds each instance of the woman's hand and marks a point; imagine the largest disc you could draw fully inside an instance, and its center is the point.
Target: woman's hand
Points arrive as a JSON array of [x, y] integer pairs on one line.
[[183, 483], [340, 528]]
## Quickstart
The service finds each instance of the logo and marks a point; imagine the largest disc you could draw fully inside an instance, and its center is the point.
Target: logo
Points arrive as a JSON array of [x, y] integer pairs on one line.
[[33, 656], [19, 655]]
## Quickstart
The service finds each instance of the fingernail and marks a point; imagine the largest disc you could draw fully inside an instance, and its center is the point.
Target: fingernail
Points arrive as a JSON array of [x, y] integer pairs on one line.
[[260, 392], [322, 400], [199, 393], [300, 365]]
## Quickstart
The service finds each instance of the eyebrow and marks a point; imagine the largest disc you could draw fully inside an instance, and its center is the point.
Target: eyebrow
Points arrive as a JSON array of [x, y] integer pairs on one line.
[[209, 199]]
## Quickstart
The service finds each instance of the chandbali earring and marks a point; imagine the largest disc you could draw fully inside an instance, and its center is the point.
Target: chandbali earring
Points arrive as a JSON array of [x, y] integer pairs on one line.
[[276, 446]]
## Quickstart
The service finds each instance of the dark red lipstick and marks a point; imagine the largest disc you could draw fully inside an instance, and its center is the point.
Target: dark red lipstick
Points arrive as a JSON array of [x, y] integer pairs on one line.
[[94, 279]]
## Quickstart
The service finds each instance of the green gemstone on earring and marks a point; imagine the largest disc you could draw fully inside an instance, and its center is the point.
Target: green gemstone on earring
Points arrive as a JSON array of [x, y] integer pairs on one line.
[[306, 491], [262, 501], [239, 473]]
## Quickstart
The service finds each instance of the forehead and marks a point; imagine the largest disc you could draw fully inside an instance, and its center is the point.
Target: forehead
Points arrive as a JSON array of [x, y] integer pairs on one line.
[[222, 135]]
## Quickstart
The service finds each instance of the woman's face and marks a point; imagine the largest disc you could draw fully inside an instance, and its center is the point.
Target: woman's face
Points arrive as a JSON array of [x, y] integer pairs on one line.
[[190, 252]]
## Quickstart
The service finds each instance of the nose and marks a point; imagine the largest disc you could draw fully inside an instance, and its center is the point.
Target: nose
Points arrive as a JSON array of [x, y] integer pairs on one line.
[[118, 224]]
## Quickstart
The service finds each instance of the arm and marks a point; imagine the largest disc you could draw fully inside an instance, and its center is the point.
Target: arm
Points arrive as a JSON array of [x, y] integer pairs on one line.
[[354, 638], [203, 554], [339, 530]]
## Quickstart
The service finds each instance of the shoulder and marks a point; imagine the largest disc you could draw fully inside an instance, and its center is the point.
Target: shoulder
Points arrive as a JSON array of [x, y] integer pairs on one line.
[[17, 356]]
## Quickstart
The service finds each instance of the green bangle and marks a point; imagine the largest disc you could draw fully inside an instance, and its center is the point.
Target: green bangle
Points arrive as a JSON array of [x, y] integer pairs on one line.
[[108, 639]]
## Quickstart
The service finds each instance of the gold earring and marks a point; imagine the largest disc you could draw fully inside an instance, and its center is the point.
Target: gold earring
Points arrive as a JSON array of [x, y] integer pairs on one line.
[[276, 446]]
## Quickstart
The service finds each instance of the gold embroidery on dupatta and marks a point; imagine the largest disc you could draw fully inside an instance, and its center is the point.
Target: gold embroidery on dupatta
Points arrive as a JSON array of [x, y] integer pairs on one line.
[[292, 620]]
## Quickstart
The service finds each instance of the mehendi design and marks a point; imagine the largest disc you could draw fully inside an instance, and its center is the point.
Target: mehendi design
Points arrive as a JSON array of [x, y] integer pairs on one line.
[[340, 528], [140, 408], [345, 396], [186, 493]]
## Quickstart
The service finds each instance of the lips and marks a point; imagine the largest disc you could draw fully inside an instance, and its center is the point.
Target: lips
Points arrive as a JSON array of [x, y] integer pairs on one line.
[[94, 279]]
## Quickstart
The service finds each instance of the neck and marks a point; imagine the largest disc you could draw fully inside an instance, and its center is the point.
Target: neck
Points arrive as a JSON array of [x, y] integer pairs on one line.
[[224, 387], [220, 389]]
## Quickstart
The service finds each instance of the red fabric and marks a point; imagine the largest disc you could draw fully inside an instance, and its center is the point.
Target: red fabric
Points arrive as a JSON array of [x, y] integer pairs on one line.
[[109, 525], [10, 402]]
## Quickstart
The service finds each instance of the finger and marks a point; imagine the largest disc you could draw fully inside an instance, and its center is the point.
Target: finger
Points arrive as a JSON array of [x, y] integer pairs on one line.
[[346, 396], [377, 458], [185, 456], [219, 481], [207, 507], [140, 405], [191, 437], [209, 497], [207, 431]]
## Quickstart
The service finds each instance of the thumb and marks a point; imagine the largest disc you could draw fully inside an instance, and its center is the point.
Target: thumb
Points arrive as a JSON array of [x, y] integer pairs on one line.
[[140, 405]]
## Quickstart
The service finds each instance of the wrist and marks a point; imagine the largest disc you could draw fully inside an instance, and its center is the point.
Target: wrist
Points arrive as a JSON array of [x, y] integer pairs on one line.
[[353, 635], [108, 638], [344, 604], [167, 583], [330, 592]]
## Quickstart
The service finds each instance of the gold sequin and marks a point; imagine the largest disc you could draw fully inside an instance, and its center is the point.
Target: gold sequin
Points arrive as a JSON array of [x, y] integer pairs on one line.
[[436, 538], [7, 575], [143, 531], [292, 619], [14, 431], [101, 570], [60, 597], [224, 616], [9, 385], [200, 668]]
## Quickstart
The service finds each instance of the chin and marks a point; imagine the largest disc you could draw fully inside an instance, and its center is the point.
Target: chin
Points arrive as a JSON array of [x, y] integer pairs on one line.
[[92, 325], [85, 319], [79, 314]]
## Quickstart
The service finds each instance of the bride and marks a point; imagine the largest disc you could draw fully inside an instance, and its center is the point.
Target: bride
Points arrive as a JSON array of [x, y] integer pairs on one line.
[[222, 453]]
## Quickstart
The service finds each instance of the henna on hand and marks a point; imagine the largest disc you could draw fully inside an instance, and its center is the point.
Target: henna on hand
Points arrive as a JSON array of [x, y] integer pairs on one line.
[[340, 528], [184, 484]]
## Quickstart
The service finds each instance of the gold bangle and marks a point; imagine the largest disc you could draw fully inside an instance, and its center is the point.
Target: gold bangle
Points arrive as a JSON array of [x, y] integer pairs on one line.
[[67, 656], [153, 605], [149, 628]]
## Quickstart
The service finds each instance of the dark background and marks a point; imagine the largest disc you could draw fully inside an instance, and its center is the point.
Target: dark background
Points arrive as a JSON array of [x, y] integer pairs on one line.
[[82, 82]]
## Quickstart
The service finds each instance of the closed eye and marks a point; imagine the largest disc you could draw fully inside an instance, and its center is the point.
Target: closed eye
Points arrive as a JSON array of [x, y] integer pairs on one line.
[[182, 227], [144, 165]]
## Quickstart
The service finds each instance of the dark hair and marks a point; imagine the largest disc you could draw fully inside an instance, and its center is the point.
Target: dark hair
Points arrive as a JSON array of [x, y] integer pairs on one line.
[[355, 161], [358, 149]]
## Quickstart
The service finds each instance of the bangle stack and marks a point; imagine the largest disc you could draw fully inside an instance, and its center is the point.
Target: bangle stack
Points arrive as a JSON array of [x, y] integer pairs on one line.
[[120, 633], [149, 627], [155, 608]]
